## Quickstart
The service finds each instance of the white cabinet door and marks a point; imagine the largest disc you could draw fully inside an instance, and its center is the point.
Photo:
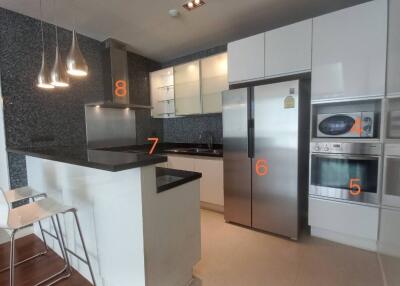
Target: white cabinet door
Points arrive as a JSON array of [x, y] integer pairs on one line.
[[344, 218], [181, 163], [214, 80], [246, 59], [211, 183], [187, 88], [162, 93], [393, 63], [288, 49], [349, 52]]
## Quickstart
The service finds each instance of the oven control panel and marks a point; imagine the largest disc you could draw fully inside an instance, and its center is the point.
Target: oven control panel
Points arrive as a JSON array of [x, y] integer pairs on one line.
[[346, 148]]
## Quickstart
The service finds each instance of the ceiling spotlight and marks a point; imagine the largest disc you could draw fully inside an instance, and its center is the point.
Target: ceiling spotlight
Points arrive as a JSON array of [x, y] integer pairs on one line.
[[193, 4]]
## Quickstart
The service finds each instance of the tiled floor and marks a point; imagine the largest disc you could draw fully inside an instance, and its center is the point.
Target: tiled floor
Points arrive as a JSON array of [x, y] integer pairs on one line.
[[236, 256]]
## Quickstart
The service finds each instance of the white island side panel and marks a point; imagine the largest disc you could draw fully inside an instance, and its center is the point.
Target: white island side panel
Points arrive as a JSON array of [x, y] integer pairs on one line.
[[110, 211]]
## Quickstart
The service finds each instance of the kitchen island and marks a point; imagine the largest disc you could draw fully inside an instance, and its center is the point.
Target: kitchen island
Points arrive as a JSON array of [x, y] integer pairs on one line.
[[141, 223]]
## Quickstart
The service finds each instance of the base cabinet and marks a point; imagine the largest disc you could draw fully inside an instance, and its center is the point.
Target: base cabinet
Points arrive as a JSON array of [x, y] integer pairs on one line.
[[211, 182], [347, 223]]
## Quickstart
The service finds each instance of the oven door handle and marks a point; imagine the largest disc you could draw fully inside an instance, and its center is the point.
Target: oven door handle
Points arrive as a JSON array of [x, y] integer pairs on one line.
[[342, 156]]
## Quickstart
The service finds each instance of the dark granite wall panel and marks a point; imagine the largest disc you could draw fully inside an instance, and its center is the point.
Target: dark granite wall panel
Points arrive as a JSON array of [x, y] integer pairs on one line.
[[188, 129], [35, 117], [139, 90]]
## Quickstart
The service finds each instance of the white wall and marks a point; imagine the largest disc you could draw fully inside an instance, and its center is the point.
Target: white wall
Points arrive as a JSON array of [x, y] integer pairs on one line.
[[4, 176]]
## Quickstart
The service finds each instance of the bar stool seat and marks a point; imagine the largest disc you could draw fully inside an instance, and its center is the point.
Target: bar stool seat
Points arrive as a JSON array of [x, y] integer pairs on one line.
[[29, 214], [20, 194]]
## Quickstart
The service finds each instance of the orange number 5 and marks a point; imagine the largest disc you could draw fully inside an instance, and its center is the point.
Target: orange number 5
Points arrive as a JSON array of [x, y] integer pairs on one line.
[[262, 167], [120, 88], [354, 186]]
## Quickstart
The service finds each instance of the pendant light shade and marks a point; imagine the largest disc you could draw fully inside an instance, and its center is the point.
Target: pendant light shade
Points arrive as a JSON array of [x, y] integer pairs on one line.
[[43, 79], [58, 75], [76, 63]]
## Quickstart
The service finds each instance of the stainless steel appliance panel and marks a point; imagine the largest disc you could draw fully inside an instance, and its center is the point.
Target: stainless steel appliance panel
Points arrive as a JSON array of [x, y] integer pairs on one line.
[[275, 195], [108, 127], [237, 164], [391, 176]]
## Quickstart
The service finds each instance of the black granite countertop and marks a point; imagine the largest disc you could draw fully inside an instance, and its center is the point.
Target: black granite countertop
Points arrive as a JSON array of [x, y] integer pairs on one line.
[[171, 178], [98, 159], [173, 148]]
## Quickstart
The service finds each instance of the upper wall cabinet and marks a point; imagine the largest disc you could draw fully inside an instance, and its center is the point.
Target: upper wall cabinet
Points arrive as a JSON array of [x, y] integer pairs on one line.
[[214, 80], [393, 63], [288, 49], [349, 52], [246, 59], [187, 88], [162, 93]]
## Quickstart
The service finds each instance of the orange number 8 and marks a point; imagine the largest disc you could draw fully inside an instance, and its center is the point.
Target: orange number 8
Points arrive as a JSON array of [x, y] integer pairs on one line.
[[120, 88], [262, 167]]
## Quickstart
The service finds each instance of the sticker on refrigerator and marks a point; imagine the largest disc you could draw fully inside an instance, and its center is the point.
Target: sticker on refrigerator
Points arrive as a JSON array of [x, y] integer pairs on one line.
[[289, 102]]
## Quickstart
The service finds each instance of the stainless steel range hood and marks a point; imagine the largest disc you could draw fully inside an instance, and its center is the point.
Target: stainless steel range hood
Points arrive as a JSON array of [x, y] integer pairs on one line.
[[116, 72]]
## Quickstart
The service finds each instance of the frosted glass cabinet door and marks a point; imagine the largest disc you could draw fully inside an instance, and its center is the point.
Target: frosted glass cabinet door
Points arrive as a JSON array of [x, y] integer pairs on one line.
[[393, 63], [288, 49], [214, 80], [187, 88], [246, 59], [349, 52]]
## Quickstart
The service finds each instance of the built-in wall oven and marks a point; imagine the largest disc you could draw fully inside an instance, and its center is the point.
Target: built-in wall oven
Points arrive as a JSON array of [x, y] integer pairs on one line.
[[346, 171]]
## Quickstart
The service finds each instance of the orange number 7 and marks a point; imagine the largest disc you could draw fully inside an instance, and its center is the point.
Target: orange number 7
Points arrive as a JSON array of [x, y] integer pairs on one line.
[[354, 186], [155, 141]]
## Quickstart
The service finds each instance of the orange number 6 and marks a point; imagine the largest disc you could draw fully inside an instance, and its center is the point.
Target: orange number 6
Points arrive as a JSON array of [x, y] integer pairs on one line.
[[120, 88], [262, 167], [354, 186]]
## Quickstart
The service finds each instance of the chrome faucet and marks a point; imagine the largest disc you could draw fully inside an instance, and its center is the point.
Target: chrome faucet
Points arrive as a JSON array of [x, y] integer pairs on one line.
[[209, 137]]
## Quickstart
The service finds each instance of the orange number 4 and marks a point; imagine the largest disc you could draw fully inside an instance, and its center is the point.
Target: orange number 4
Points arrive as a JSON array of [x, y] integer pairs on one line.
[[355, 187], [262, 167], [155, 141], [357, 127], [120, 88]]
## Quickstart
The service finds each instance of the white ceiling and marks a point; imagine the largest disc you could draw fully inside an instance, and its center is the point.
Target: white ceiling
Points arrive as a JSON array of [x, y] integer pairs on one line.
[[146, 26]]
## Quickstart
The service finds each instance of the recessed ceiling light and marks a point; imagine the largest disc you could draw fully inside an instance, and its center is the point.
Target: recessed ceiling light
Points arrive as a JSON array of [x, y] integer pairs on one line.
[[193, 4], [173, 13]]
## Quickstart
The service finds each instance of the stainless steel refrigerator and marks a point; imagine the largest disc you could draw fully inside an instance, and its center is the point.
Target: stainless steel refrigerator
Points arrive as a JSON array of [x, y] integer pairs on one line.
[[266, 134]]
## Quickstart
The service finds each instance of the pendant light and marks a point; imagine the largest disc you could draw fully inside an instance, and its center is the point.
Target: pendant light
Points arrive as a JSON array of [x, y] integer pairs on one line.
[[43, 78], [58, 75], [76, 64]]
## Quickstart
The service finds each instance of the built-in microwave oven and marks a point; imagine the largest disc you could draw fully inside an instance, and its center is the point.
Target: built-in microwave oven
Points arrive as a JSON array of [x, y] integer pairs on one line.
[[356, 124], [346, 171]]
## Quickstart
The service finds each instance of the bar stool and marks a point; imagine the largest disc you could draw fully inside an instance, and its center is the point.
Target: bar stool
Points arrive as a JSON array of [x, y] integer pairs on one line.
[[22, 194], [13, 220]]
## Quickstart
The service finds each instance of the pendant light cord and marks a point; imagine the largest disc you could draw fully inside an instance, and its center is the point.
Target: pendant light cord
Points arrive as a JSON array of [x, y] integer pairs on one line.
[[55, 12], [41, 25]]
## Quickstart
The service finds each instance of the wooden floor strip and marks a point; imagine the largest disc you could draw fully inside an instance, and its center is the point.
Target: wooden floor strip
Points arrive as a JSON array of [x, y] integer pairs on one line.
[[34, 271]]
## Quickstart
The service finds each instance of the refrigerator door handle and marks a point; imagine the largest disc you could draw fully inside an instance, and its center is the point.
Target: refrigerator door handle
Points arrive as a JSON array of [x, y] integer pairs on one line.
[[250, 137]]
